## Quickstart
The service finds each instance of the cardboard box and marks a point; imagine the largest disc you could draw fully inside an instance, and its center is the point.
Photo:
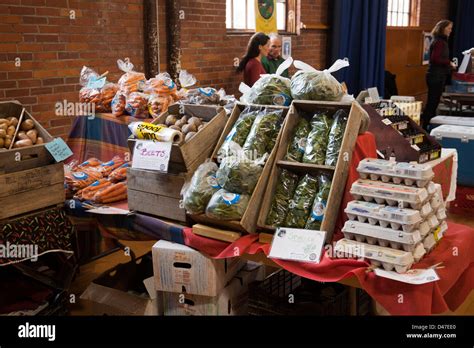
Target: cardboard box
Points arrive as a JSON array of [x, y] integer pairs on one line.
[[178, 268], [232, 300], [126, 289]]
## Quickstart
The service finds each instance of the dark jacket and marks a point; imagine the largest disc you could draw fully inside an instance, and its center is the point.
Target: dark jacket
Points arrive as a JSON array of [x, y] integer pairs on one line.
[[439, 56]]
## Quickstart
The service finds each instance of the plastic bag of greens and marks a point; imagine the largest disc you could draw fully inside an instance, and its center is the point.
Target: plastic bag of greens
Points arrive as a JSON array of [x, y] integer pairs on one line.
[[319, 206], [271, 89], [302, 201], [317, 142], [283, 193], [336, 135], [239, 131], [225, 205], [238, 173], [312, 84], [264, 132], [203, 185], [297, 147]]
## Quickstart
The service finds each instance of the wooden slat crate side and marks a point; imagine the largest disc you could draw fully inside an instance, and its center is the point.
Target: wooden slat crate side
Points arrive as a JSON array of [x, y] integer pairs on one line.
[[156, 205], [215, 233], [32, 179], [163, 184], [28, 201]]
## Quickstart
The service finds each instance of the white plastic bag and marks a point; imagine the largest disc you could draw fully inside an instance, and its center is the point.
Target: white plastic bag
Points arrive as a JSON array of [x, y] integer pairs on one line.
[[312, 84], [131, 80]]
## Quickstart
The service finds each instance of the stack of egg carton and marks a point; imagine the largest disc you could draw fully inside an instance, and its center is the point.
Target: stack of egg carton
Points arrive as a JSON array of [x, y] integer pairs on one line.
[[398, 216]]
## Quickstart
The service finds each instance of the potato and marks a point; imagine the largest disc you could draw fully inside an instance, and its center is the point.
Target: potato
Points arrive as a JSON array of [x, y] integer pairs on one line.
[[189, 128], [189, 136], [22, 143], [21, 135], [180, 123], [3, 133], [8, 142], [4, 121], [195, 120], [39, 140], [162, 125], [2, 143], [27, 125], [13, 121], [184, 119], [200, 127], [33, 135], [170, 120], [4, 126], [175, 127], [11, 130]]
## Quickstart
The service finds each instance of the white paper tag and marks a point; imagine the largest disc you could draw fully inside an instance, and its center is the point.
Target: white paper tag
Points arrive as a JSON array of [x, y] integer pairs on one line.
[[374, 94], [387, 121], [59, 149], [413, 276], [106, 210], [152, 155], [297, 245]]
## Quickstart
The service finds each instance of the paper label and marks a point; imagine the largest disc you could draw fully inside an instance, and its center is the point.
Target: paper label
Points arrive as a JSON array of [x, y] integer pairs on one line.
[[105, 210], [387, 121], [413, 276], [96, 83], [152, 155], [297, 245], [59, 149]]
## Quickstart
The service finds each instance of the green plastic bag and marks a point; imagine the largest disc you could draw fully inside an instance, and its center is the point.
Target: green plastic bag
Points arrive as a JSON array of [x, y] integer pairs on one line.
[[317, 143], [284, 191], [297, 146], [302, 201], [336, 136], [225, 205], [319, 206], [203, 186]]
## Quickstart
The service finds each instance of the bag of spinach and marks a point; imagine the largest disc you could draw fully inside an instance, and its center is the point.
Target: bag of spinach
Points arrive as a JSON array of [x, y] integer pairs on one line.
[[317, 142], [225, 205], [297, 147], [240, 130], [203, 185], [271, 89], [239, 174], [283, 193], [302, 201], [264, 132], [312, 84], [319, 206], [336, 135]]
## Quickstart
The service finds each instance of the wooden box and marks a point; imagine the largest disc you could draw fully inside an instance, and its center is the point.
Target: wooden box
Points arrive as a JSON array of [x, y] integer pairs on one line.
[[28, 190], [248, 223], [339, 173], [15, 160], [178, 268], [156, 193], [188, 156]]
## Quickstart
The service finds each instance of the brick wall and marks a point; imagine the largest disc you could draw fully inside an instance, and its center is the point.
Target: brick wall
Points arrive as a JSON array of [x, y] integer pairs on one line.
[[432, 11], [53, 48], [209, 50]]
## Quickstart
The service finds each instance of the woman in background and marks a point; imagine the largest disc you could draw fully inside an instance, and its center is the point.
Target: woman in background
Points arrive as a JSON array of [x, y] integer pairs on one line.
[[439, 69], [251, 62]]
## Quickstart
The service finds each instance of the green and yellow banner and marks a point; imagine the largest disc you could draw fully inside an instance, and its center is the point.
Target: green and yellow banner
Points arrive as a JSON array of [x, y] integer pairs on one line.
[[265, 16]]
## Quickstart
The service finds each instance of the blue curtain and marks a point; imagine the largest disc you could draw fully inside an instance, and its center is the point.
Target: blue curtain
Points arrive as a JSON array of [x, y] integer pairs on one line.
[[358, 33], [463, 27]]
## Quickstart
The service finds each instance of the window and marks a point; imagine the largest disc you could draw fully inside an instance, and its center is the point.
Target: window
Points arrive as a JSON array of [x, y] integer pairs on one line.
[[240, 14], [403, 13]]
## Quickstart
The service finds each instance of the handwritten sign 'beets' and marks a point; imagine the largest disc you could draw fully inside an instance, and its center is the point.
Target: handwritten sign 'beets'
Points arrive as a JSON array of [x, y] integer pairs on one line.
[[151, 155]]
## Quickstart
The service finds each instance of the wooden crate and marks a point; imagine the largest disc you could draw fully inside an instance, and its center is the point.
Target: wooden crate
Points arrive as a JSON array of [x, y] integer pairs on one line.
[[339, 173], [188, 156], [28, 190], [156, 193], [248, 223], [15, 160]]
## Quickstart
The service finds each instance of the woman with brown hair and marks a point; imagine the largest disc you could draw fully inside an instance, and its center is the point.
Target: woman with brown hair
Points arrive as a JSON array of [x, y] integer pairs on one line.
[[251, 62], [439, 69]]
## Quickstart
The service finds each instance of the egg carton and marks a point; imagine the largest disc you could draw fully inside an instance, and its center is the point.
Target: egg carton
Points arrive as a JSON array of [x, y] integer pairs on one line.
[[441, 213], [432, 221], [424, 228], [378, 256], [432, 239], [385, 237], [426, 210], [383, 193], [385, 216], [396, 172], [431, 188]]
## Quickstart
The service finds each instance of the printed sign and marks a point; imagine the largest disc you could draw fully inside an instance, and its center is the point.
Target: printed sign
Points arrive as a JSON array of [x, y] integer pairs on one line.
[[153, 155]]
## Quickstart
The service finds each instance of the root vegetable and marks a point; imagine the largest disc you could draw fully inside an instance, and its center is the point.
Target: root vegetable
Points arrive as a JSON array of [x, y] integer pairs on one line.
[[27, 125], [39, 140], [3, 133], [170, 120], [189, 128], [11, 130], [195, 120], [33, 135], [22, 135], [23, 143], [2, 142], [13, 121], [175, 128], [189, 136]]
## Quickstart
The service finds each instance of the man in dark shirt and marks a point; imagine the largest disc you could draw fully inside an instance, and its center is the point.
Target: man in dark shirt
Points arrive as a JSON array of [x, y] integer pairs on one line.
[[274, 58]]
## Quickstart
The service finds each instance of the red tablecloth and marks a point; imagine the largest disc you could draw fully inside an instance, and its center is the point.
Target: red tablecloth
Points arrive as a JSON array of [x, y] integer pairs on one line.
[[457, 278]]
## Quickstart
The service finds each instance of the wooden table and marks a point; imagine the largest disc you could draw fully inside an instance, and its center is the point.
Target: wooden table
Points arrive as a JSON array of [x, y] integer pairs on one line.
[[458, 99]]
